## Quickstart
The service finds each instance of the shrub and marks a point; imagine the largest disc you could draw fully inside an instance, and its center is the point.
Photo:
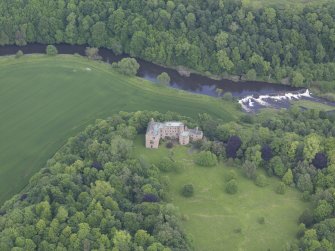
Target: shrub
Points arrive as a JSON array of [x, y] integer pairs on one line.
[[261, 180], [261, 220], [19, 54], [168, 165], [231, 175], [169, 144], [164, 78], [184, 217], [206, 158], [51, 50], [127, 66], [281, 188], [232, 187], [238, 230], [187, 190], [227, 96]]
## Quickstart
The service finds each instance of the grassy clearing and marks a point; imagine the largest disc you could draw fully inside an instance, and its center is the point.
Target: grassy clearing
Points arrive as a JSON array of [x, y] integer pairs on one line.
[[44, 100], [307, 104], [215, 216]]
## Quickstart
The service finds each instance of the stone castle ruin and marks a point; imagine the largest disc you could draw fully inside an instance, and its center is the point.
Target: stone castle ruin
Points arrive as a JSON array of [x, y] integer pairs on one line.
[[170, 129]]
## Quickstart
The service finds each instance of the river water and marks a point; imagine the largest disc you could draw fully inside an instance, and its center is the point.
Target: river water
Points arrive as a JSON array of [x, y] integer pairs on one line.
[[252, 95]]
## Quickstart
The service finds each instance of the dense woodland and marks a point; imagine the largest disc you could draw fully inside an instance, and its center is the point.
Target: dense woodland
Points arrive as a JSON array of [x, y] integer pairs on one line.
[[93, 195], [218, 37]]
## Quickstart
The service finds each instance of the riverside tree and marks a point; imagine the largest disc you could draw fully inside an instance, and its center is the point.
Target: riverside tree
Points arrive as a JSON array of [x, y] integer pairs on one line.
[[51, 50], [164, 78], [127, 66]]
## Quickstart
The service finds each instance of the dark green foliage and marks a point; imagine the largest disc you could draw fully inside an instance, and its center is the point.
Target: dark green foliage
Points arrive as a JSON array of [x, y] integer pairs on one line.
[[306, 218], [93, 195], [206, 36], [51, 50], [320, 160], [127, 66], [266, 152], [187, 190], [232, 187], [234, 143], [206, 158]]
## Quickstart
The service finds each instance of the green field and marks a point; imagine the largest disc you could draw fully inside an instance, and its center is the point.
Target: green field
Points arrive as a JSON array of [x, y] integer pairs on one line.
[[213, 216], [44, 100]]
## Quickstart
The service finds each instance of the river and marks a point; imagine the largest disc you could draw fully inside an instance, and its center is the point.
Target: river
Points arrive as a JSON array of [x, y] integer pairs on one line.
[[252, 95]]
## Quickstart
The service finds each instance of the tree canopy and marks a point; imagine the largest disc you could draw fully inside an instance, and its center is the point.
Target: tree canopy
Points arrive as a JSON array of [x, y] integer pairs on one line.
[[219, 37], [93, 195]]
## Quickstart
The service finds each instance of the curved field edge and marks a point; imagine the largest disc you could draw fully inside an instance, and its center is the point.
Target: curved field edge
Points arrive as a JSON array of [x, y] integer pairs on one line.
[[215, 220], [44, 100]]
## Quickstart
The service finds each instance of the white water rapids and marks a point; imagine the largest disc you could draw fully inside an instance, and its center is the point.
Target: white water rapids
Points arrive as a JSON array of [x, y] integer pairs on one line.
[[248, 103]]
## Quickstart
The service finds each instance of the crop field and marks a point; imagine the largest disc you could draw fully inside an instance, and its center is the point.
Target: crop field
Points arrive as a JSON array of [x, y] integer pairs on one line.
[[44, 100], [216, 220]]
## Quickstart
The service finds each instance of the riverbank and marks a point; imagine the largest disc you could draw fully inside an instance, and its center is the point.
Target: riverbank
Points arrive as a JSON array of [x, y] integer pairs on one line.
[[195, 83], [44, 100]]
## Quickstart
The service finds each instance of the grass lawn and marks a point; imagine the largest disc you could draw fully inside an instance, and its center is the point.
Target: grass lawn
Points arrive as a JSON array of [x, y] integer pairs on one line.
[[313, 105], [44, 100], [214, 216]]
